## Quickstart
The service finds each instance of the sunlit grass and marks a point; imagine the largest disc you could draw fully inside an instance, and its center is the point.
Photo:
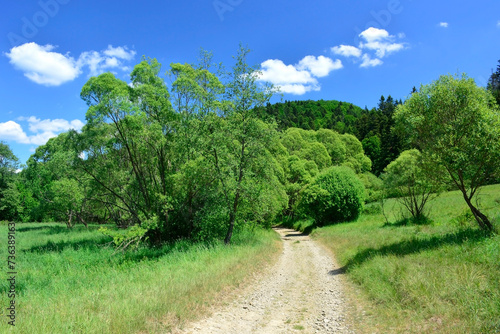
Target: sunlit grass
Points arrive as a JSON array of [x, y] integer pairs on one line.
[[437, 277], [70, 281]]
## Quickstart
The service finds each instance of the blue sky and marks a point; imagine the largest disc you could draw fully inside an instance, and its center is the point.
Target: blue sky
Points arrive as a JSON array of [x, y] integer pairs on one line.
[[351, 51]]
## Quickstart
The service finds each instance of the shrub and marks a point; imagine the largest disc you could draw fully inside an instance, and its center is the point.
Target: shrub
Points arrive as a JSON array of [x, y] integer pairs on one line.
[[336, 195], [407, 177]]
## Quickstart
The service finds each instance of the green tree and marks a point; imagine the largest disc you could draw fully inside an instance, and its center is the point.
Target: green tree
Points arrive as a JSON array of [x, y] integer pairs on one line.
[[57, 188], [373, 148], [8, 169], [406, 178], [456, 124], [494, 84], [128, 144], [336, 195], [242, 144], [355, 155]]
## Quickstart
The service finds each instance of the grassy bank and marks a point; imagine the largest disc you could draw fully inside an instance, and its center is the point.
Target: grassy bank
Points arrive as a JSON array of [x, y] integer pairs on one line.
[[70, 281], [439, 277]]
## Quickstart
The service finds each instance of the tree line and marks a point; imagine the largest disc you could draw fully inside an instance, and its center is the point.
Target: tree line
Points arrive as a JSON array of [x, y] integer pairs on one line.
[[193, 160], [209, 154]]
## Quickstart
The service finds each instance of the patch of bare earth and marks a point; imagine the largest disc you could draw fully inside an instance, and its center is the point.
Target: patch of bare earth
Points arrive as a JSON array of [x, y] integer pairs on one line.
[[301, 293]]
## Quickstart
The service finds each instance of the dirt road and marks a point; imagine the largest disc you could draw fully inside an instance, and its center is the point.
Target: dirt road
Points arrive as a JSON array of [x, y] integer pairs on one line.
[[301, 293]]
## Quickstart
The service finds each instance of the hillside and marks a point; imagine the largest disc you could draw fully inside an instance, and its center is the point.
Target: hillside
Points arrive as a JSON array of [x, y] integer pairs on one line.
[[314, 115], [374, 127]]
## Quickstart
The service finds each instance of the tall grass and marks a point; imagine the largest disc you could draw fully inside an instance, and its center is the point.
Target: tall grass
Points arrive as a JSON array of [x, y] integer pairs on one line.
[[69, 281], [442, 276]]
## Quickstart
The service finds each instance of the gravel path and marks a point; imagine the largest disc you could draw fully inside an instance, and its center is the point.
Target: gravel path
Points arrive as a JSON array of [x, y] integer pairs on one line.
[[301, 293]]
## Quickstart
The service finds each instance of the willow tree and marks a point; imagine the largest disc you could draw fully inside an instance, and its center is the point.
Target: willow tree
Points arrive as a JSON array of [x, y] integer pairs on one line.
[[127, 143], [242, 147], [456, 124]]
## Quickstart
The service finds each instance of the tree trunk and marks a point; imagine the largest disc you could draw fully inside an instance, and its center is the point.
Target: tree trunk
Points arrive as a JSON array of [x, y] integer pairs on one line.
[[80, 218], [232, 218], [70, 217], [232, 215], [481, 218]]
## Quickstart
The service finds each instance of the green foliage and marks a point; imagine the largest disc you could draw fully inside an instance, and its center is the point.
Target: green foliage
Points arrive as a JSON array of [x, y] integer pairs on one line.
[[374, 186], [355, 156], [333, 144], [131, 238], [313, 115], [494, 84], [407, 179], [411, 275], [375, 127], [310, 152], [8, 164], [456, 125], [336, 195]]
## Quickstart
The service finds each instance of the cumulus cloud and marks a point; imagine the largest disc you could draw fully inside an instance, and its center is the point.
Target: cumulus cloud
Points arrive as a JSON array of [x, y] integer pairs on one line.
[[54, 125], [375, 44], [374, 34], [41, 130], [320, 66], [12, 131], [300, 78], [443, 24], [346, 51], [379, 41], [369, 62], [43, 66], [287, 77]]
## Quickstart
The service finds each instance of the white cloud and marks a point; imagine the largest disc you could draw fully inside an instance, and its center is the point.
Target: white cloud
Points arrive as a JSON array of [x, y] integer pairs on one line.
[[369, 62], [12, 131], [119, 52], [375, 44], [320, 66], [443, 24], [43, 66], [93, 60], [55, 125], [347, 51], [300, 78], [42, 130], [287, 77], [379, 41], [498, 24], [298, 89], [374, 35], [42, 138]]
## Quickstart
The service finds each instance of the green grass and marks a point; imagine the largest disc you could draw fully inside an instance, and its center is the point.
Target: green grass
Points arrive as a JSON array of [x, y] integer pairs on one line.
[[305, 226], [69, 281], [442, 276]]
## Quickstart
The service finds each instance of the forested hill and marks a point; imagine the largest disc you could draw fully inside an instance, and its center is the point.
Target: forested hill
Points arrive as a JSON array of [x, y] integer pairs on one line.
[[374, 128], [314, 115]]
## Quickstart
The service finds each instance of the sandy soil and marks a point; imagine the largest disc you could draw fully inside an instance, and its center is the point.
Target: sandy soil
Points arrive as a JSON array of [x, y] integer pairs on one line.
[[301, 293]]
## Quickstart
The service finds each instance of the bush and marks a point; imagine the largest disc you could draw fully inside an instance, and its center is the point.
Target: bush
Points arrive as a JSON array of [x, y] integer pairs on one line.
[[336, 195], [373, 187]]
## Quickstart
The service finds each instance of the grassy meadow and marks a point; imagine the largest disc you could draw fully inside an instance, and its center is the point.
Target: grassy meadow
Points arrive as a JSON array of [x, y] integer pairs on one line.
[[69, 281], [439, 276]]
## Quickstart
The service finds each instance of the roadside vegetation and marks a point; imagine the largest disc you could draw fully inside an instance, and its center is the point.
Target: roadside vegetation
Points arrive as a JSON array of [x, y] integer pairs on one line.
[[161, 177], [69, 281], [440, 276]]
